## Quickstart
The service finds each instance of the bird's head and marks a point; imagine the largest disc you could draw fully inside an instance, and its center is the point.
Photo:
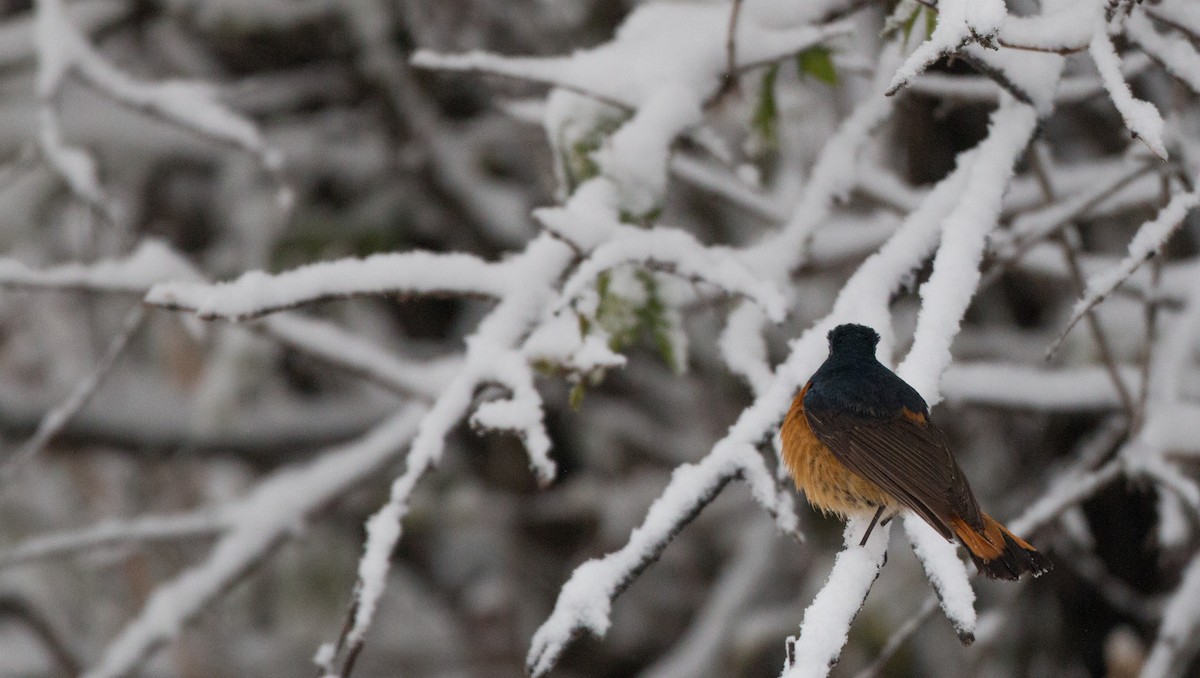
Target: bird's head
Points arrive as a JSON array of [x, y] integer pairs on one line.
[[853, 340]]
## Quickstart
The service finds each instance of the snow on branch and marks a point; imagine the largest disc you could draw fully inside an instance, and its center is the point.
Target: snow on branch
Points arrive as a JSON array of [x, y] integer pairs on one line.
[[585, 601], [679, 253], [1176, 644], [143, 529], [63, 50], [659, 44], [1182, 14], [1065, 27], [152, 262], [959, 23], [520, 413], [257, 293], [951, 286], [834, 175], [828, 618], [1141, 117], [1150, 238], [939, 558], [489, 359], [1036, 225], [965, 206], [1175, 53], [271, 512]]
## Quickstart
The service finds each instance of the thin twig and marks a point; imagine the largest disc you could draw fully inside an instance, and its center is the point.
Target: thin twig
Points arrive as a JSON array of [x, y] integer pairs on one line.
[[1038, 160], [899, 638], [57, 418], [1151, 311], [1094, 326], [1009, 253], [731, 64], [1049, 50]]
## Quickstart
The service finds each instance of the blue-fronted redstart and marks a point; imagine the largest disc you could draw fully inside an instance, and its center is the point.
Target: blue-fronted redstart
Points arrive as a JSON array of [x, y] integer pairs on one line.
[[858, 441]]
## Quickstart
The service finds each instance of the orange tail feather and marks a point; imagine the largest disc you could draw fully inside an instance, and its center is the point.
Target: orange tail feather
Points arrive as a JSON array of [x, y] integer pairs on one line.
[[998, 553]]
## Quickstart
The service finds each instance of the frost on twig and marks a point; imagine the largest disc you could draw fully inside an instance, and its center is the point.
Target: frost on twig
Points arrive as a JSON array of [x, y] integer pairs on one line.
[[63, 50], [1150, 239]]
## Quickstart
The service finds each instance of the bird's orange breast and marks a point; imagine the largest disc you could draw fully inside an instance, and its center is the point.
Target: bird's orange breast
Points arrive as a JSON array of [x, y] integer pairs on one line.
[[826, 482]]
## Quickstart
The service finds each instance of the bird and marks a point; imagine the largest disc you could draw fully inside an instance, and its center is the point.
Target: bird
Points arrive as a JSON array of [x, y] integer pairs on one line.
[[858, 441]]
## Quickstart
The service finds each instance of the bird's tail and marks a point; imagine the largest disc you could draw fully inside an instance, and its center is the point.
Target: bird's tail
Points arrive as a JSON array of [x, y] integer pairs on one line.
[[998, 553]]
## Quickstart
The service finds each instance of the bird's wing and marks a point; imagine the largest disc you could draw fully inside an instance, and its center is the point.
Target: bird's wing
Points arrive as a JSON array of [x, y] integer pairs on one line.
[[904, 455]]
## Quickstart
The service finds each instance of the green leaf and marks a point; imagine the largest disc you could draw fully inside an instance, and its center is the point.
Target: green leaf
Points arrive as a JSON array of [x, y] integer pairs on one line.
[[908, 25], [931, 19], [766, 113], [576, 397], [817, 62]]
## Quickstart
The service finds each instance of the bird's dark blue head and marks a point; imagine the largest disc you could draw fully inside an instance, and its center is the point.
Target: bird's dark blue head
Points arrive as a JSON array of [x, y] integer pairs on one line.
[[851, 380], [853, 341]]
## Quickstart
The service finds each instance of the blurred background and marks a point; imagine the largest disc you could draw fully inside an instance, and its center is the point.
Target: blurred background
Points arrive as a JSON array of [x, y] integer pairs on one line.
[[380, 157]]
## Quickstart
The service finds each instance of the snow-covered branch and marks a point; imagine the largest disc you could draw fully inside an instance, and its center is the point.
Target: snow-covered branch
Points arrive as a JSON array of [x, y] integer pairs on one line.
[[259, 521], [411, 273]]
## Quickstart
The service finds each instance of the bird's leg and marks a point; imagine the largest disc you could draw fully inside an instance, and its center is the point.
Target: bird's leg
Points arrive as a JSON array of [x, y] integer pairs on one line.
[[887, 520], [870, 527]]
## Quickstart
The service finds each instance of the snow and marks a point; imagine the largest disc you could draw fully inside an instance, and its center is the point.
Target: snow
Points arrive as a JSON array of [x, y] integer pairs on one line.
[[1177, 54], [959, 23], [744, 348], [558, 341], [1069, 25], [939, 558], [256, 293], [269, 513], [1171, 426], [678, 252], [659, 44], [1141, 117], [827, 620], [62, 50], [638, 95], [522, 412], [488, 357], [111, 532], [1068, 490], [833, 176], [635, 157], [950, 288], [1183, 13], [1036, 224], [585, 600], [151, 263], [1176, 642], [1150, 238]]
